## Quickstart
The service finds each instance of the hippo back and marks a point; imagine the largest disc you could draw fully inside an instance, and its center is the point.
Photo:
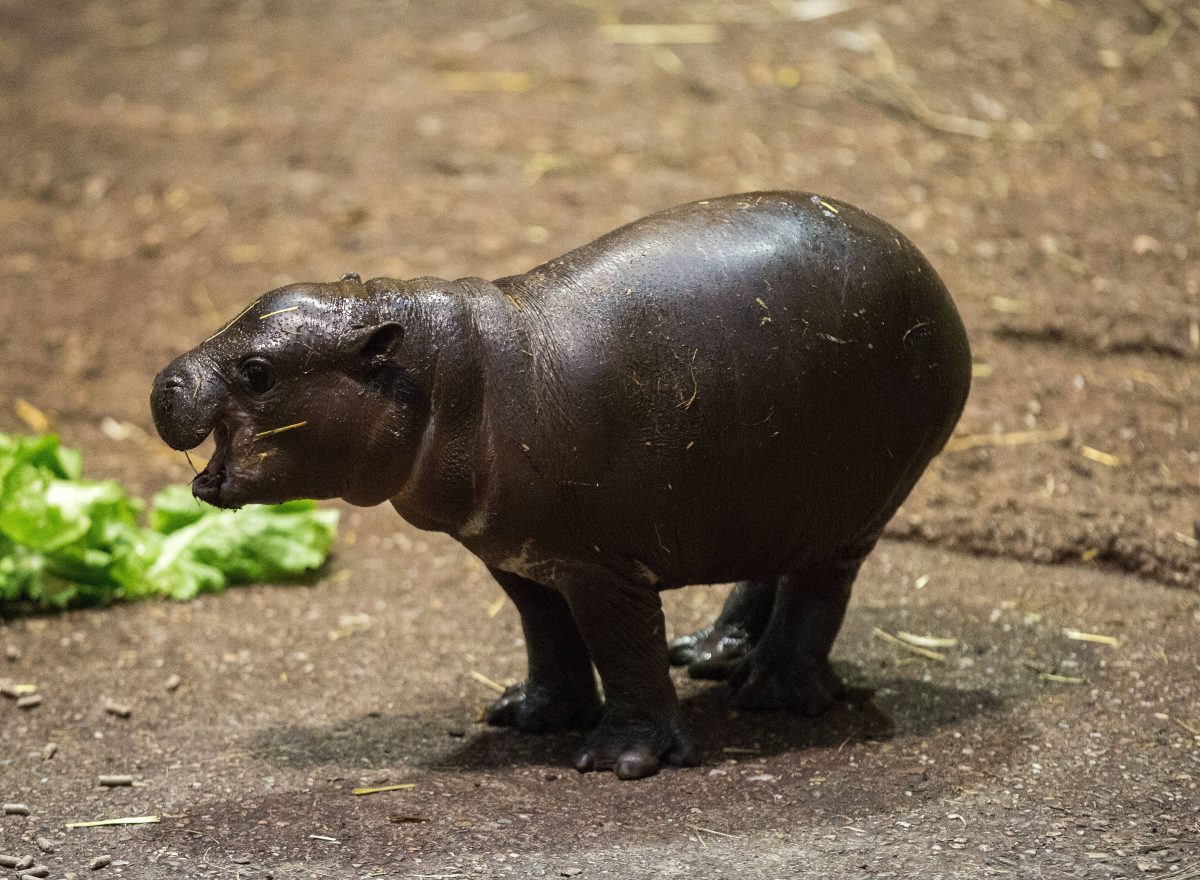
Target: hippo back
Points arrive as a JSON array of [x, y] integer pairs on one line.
[[735, 385]]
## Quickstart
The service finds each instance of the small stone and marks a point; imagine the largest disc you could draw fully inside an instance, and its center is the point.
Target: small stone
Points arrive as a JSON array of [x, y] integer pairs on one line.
[[762, 777], [12, 653], [570, 872], [985, 250], [1146, 244], [16, 810], [115, 780], [100, 862], [45, 844], [49, 750], [121, 710], [29, 701], [173, 682], [15, 691]]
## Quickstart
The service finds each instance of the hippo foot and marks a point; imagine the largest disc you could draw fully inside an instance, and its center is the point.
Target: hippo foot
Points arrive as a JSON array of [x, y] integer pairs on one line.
[[535, 708], [712, 653], [801, 684], [635, 748]]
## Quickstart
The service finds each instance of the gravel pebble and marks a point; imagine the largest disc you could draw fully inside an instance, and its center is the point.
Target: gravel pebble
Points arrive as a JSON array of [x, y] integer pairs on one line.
[[16, 810], [112, 780], [100, 862], [29, 701], [121, 710]]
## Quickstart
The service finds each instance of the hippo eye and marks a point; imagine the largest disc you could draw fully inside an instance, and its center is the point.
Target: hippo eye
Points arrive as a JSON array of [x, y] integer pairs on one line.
[[259, 375]]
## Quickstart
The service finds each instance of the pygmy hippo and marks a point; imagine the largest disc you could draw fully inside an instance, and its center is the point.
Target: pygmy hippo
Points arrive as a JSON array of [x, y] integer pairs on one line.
[[738, 389]]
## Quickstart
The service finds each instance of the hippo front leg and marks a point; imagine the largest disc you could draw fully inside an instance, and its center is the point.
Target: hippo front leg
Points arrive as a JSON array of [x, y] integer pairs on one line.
[[640, 726], [560, 689]]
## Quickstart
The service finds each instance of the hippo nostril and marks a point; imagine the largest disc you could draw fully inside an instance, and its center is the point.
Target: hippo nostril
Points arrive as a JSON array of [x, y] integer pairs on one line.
[[165, 399]]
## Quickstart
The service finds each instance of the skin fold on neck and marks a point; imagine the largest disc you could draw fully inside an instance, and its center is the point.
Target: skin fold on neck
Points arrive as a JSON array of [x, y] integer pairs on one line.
[[442, 487]]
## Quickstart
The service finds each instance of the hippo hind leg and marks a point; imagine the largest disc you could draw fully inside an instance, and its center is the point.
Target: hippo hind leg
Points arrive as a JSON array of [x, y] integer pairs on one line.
[[789, 667], [714, 652]]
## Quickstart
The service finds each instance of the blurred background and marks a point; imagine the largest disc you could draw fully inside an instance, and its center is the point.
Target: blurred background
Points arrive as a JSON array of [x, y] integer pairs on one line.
[[163, 162]]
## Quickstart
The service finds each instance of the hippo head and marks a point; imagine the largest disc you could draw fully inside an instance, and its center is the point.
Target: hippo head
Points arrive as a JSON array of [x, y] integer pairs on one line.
[[305, 394]]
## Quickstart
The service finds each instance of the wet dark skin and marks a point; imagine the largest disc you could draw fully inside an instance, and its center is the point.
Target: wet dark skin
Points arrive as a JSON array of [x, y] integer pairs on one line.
[[740, 389]]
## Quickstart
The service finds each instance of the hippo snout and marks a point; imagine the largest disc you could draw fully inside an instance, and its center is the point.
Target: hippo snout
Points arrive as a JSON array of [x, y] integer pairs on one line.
[[185, 404]]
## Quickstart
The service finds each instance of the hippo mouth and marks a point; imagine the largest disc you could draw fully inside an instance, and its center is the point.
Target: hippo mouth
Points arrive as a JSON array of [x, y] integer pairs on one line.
[[212, 484]]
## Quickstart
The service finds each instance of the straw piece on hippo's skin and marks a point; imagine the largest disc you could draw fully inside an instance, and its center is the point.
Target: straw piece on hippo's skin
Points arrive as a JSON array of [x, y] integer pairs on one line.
[[740, 389]]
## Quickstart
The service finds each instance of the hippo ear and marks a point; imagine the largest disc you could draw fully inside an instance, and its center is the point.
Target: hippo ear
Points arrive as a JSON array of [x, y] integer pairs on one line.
[[379, 344]]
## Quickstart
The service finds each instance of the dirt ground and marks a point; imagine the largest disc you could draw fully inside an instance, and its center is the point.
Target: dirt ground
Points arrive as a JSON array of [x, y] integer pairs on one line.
[[162, 163]]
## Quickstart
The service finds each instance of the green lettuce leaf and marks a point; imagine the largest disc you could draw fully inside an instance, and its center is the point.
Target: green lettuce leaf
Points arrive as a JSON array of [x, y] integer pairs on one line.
[[257, 543], [66, 541], [175, 507]]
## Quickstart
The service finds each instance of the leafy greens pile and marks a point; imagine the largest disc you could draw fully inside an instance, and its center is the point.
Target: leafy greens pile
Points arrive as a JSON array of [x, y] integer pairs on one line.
[[66, 541]]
